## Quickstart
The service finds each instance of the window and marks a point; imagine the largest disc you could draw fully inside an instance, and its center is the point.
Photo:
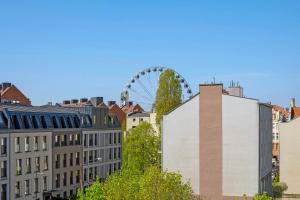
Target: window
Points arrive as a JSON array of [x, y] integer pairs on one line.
[[85, 140], [71, 178], [77, 139], [36, 185], [36, 143], [64, 140], [35, 122], [45, 183], [44, 145], [95, 173], [115, 153], [65, 160], [71, 192], [3, 146], [90, 156], [119, 153], [43, 122], [110, 138], [120, 137], [28, 165], [71, 139], [37, 164], [96, 138], [57, 140], [65, 179], [26, 144], [19, 167], [57, 161], [3, 192], [91, 140], [3, 169], [142, 119], [17, 145], [69, 122], [85, 174], [133, 119], [45, 163], [84, 157], [90, 173], [110, 154], [65, 195], [54, 122], [62, 122], [78, 176], [77, 158], [27, 187], [15, 122], [96, 155], [71, 159], [115, 138], [17, 189], [57, 181]]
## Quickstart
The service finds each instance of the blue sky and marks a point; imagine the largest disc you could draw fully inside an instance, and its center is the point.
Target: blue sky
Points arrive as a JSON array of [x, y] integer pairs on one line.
[[55, 50]]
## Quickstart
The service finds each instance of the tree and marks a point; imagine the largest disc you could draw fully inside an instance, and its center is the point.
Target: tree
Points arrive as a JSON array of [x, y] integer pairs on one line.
[[93, 192], [122, 185], [141, 148], [168, 95], [155, 184]]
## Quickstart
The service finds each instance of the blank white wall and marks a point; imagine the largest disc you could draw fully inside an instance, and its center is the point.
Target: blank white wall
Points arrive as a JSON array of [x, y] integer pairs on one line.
[[240, 146], [180, 146]]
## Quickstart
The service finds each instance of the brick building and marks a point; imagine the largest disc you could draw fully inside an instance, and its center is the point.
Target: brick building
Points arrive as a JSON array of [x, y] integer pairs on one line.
[[10, 93]]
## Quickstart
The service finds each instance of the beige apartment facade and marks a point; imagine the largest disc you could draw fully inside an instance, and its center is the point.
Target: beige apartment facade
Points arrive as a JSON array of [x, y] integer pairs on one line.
[[289, 155]]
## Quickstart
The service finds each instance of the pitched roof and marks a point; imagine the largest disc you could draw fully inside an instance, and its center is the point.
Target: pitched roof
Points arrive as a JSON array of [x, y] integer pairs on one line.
[[280, 109], [132, 108], [295, 112], [12, 93]]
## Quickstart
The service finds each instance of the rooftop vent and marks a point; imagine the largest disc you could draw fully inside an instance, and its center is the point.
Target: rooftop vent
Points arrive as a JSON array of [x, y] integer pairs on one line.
[[96, 101], [5, 85], [65, 102], [83, 100], [110, 103], [74, 101]]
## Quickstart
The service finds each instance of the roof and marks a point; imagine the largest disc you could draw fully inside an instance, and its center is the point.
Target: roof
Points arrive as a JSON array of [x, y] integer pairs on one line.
[[102, 105], [12, 93], [35, 109], [132, 108], [281, 110], [139, 114], [295, 112]]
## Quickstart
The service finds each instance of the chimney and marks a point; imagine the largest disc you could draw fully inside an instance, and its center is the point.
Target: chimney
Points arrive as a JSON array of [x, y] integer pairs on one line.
[[96, 101], [111, 103], [5, 85], [130, 103], [65, 102], [293, 102], [83, 100], [235, 89], [74, 101]]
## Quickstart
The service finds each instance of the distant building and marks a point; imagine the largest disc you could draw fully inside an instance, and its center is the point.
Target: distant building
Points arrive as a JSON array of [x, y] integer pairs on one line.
[[220, 143], [290, 154], [136, 118], [130, 108], [10, 93], [114, 109], [279, 114], [51, 151]]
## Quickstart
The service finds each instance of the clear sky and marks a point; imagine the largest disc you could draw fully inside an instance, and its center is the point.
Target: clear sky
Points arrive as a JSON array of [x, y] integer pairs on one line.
[[54, 50]]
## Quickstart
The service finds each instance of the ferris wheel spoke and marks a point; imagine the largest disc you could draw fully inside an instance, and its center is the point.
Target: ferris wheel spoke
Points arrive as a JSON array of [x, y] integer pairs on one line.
[[145, 89], [137, 93]]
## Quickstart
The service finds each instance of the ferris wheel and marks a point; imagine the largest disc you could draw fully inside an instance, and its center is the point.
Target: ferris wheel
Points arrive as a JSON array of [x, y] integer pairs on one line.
[[141, 88]]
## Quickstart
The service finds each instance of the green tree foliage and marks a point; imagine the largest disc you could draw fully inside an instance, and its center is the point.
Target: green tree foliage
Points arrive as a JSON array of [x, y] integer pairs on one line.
[[168, 95], [155, 184], [122, 185], [264, 196], [279, 188], [140, 148], [93, 192]]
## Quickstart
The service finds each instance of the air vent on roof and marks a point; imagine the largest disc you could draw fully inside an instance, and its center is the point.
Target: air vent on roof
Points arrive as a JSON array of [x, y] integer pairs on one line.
[[110, 103], [74, 101], [83, 100], [65, 102], [96, 100], [5, 85]]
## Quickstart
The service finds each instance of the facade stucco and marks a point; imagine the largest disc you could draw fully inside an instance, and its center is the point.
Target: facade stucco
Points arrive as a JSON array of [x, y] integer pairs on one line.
[[181, 142], [240, 146], [289, 155]]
